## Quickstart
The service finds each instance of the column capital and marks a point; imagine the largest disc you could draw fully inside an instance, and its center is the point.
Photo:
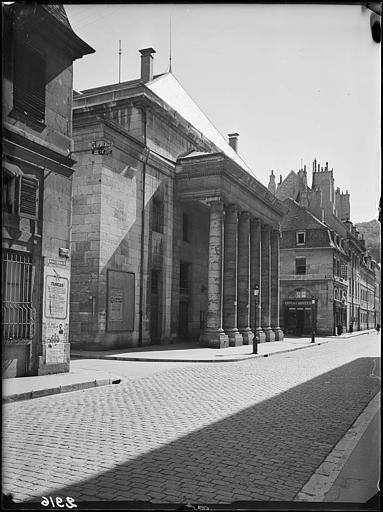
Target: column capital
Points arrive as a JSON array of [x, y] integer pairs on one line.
[[265, 227], [216, 204], [232, 208], [245, 215]]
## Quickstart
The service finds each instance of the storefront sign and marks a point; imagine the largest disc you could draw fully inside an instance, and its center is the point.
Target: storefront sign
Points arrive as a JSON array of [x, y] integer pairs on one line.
[[298, 302]]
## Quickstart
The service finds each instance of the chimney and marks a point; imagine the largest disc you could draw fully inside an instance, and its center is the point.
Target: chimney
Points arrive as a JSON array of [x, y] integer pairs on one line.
[[233, 141], [147, 64], [271, 185]]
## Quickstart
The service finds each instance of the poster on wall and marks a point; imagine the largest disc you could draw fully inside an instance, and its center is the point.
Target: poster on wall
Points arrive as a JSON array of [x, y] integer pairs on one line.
[[120, 301], [55, 328]]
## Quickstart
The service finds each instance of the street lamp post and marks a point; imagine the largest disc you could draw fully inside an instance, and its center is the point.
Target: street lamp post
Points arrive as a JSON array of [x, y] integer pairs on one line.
[[312, 320], [255, 339]]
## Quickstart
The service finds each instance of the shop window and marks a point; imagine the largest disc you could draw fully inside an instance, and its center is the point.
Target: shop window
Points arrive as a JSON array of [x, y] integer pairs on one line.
[[300, 266], [29, 85], [158, 215], [301, 237]]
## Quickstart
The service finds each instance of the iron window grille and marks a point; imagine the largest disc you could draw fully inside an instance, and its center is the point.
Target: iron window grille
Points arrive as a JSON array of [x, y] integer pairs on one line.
[[18, 314]]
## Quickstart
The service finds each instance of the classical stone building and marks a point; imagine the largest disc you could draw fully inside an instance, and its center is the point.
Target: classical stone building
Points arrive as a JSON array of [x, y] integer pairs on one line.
[[39, 47], [171, 229], [323, 257]]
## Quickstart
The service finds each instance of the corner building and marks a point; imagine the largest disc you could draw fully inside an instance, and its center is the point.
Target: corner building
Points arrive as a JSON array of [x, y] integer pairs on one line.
[[39, 47], [171, 229], [324, 258]]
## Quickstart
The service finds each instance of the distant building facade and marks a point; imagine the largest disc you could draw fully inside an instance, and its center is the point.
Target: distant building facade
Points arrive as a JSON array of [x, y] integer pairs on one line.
[[323, 257], [39, 47], [171, 229]]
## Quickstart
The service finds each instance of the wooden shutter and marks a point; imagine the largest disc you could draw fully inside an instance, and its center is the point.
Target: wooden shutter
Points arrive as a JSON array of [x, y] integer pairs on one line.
[[28, 204]]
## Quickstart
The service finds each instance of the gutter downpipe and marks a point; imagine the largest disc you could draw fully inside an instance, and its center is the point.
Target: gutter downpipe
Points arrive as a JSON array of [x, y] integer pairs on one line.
[[147, 153]]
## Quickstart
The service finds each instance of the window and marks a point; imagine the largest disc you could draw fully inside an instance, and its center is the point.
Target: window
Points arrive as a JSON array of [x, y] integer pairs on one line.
[[300, 266], [29, 85], [301, 293], [9, 193], [157, 216], [185, 228], [301, 237], [20, 192], [184, 277]]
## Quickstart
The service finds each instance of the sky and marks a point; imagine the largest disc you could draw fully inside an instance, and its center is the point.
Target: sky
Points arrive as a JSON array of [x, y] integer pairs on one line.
[[297, 82]]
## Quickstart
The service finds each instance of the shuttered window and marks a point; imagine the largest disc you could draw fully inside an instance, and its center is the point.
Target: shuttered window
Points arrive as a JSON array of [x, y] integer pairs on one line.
[[29, 84], [28, 204]]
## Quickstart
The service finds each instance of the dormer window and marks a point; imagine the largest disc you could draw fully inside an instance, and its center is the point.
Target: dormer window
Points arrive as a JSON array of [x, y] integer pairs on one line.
[[301, 237]]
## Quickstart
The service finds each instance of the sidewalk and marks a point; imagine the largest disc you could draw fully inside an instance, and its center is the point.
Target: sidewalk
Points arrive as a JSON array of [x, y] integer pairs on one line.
[[24, 388]]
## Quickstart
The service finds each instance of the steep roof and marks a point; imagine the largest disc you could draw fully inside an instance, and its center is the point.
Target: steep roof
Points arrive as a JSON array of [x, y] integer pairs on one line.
[[58, 12], [170, 90], [299, 218]]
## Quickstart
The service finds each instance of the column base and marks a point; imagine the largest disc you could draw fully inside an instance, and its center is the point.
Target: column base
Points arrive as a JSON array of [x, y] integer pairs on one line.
[[260, 335], [278, 334], [235, 337], [214, 339], [247, 336], [270, 335]]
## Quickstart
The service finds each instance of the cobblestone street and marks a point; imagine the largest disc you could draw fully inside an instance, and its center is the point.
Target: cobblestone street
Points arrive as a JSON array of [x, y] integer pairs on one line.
[[205, 433]]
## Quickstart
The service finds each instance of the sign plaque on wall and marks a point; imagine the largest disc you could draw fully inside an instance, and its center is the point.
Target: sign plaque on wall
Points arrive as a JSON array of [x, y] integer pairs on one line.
[[120, 301]]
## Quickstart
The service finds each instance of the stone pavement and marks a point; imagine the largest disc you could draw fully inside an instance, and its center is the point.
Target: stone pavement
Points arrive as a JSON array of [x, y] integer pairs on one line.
[[83, 376], [251, 430]]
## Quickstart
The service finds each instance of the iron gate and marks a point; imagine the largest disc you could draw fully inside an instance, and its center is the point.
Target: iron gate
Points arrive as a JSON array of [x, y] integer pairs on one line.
[[17, 311]]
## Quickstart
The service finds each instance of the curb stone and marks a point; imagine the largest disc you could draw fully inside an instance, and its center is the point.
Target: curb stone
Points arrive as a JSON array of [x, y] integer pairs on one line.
[[324, 477]]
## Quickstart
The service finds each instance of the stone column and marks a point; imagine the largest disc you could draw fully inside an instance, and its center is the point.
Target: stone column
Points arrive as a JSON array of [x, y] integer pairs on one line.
[[255, 278], [266, 283], [214, 335], [230, 276], [275, 290], [243, 288]]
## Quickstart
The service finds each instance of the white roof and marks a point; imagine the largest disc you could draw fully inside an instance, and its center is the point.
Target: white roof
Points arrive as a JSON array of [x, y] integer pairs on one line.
[[170, 90]]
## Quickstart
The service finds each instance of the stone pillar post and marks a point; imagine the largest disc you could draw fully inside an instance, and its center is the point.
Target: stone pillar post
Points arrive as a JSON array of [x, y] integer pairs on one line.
[[230, 276], [243, 288], [214, 335], [266, 283], [255, 278], [275, 298]]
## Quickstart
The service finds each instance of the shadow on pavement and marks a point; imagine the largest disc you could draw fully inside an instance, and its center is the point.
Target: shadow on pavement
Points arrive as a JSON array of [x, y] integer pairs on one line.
[[263, 453]]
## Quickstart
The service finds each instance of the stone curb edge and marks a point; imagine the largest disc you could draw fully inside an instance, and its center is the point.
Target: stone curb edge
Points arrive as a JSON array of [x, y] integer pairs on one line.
[[325, 475], [168, 360], [59, 389]]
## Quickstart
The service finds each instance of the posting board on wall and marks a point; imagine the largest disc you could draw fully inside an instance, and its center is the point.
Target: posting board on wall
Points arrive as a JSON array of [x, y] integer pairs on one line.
[[55, 325], [120, 301]]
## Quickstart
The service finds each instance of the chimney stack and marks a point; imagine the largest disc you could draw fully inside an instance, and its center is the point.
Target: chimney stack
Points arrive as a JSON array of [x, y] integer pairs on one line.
[[233, 141], [147, 64]]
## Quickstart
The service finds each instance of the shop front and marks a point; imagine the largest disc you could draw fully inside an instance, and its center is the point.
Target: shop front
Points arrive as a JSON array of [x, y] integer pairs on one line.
[[300, 316]]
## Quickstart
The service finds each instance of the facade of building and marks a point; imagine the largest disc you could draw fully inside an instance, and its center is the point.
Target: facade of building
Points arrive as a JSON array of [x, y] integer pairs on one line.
[[171, 229], [39, 47], [323, 258]]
